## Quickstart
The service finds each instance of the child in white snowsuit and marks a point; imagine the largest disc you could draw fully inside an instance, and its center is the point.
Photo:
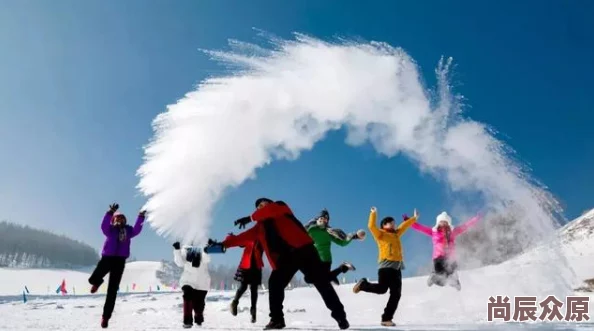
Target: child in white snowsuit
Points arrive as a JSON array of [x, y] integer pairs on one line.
[[195, 281]]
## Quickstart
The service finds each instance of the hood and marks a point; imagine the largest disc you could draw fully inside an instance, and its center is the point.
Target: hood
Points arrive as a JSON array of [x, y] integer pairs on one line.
[[443, 217]]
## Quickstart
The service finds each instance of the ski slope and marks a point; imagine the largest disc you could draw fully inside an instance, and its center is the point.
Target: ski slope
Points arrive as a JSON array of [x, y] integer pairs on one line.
[[421, 307]]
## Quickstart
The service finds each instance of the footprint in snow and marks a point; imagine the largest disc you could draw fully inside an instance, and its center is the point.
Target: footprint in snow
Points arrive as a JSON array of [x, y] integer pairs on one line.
[[299, 310], [145, 310]]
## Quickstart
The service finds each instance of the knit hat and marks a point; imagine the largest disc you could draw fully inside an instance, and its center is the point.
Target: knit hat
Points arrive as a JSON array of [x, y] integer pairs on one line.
[[443, 217], [260, 200], [324, 213]]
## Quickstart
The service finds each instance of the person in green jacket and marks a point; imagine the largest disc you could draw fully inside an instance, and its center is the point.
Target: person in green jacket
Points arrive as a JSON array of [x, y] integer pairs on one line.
[[323, 236]]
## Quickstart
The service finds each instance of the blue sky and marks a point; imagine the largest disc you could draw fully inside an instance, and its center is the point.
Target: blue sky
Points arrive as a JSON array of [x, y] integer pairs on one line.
[[80, 83]]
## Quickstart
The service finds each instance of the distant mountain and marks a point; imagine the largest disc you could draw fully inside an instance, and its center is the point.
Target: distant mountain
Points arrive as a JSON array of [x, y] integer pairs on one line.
[[577, 238], [23, 246]]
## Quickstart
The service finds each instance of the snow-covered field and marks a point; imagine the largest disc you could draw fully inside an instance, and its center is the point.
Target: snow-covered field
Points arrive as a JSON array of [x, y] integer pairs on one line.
[[421, 307]]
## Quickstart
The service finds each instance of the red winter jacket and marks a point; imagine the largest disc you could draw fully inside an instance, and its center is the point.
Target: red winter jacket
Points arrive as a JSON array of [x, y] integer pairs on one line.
[[250, 247], [277, 229]]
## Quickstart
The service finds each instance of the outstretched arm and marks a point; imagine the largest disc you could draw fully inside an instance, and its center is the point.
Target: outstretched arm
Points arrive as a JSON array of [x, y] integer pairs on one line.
[[241, 239], [467, 225], [339, 237], [341, 242], [422, 229]]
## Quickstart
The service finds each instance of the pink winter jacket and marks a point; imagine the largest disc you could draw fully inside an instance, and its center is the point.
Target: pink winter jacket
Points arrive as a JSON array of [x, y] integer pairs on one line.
[[440, 247]]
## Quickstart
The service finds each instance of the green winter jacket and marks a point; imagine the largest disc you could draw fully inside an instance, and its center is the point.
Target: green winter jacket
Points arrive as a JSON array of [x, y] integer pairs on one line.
[[323, 240]]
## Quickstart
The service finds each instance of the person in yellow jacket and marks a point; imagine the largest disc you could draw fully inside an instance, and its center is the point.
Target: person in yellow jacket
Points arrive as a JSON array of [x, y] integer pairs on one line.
[[391, 262]]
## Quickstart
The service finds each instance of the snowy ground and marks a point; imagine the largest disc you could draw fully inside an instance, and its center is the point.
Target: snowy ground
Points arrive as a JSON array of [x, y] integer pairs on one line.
[[421, 307], [304, 311]]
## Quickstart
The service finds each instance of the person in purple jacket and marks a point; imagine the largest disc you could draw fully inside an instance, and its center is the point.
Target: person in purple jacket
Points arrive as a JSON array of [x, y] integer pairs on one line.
[[113, 257]]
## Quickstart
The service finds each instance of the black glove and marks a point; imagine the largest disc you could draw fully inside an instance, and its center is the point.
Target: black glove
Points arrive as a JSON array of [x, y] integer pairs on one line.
[[113, 207], [142, 213], [176, 245], [214, 247], [242, 222]]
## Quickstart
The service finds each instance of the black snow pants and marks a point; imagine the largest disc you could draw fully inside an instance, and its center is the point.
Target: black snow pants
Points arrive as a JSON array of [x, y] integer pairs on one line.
[[114, 265], [194, 300], [444, 267], [307, 260], [388, 279], [334, 273], [253, 292]]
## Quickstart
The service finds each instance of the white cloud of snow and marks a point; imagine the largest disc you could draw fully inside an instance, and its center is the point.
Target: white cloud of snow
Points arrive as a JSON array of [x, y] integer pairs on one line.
[[281, 101]]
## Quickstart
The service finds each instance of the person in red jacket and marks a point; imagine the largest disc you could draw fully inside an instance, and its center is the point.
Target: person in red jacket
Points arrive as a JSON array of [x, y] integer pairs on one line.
[[249, 273], [289, 249]]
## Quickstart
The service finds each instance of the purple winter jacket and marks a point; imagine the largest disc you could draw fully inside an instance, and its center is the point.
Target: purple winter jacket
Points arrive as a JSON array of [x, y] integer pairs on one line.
[[113, 246]]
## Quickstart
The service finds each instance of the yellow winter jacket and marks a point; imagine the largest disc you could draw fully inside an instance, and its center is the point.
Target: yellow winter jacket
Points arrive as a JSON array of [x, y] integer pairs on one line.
[[388, 243]]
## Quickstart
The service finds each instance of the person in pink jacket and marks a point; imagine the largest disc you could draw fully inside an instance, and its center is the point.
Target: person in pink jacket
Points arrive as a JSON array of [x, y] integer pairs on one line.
[[443, 235]]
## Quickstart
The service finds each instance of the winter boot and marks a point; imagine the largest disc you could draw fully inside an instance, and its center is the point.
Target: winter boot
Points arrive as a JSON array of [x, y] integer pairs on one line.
[[233, 307], [94, 289], [187, 321], [454, 281], [187, 311], [275, 325], [360, 284], [348, 266], [104, 322], [388, 323], [430, 280], [343, 324], [199, 319], [253, 313]]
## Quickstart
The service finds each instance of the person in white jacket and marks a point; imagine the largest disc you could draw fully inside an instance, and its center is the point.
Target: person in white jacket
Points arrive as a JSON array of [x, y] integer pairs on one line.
[[194, 281]]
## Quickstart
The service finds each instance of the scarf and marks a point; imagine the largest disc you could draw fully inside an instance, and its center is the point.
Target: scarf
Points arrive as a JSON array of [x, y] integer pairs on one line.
[[122, 233]]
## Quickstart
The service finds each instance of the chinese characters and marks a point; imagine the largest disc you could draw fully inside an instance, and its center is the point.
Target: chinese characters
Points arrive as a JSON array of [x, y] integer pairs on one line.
[[575, 308]]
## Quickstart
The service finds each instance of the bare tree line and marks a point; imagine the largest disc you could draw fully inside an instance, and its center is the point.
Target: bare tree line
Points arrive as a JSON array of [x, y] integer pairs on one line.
[[23, 246], [169, 274]]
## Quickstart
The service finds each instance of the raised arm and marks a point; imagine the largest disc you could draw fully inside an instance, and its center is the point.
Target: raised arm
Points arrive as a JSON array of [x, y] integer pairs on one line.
[[467, 225], [407, 224], [106, 223], [138, 225], [178, 258], [372, 224]]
